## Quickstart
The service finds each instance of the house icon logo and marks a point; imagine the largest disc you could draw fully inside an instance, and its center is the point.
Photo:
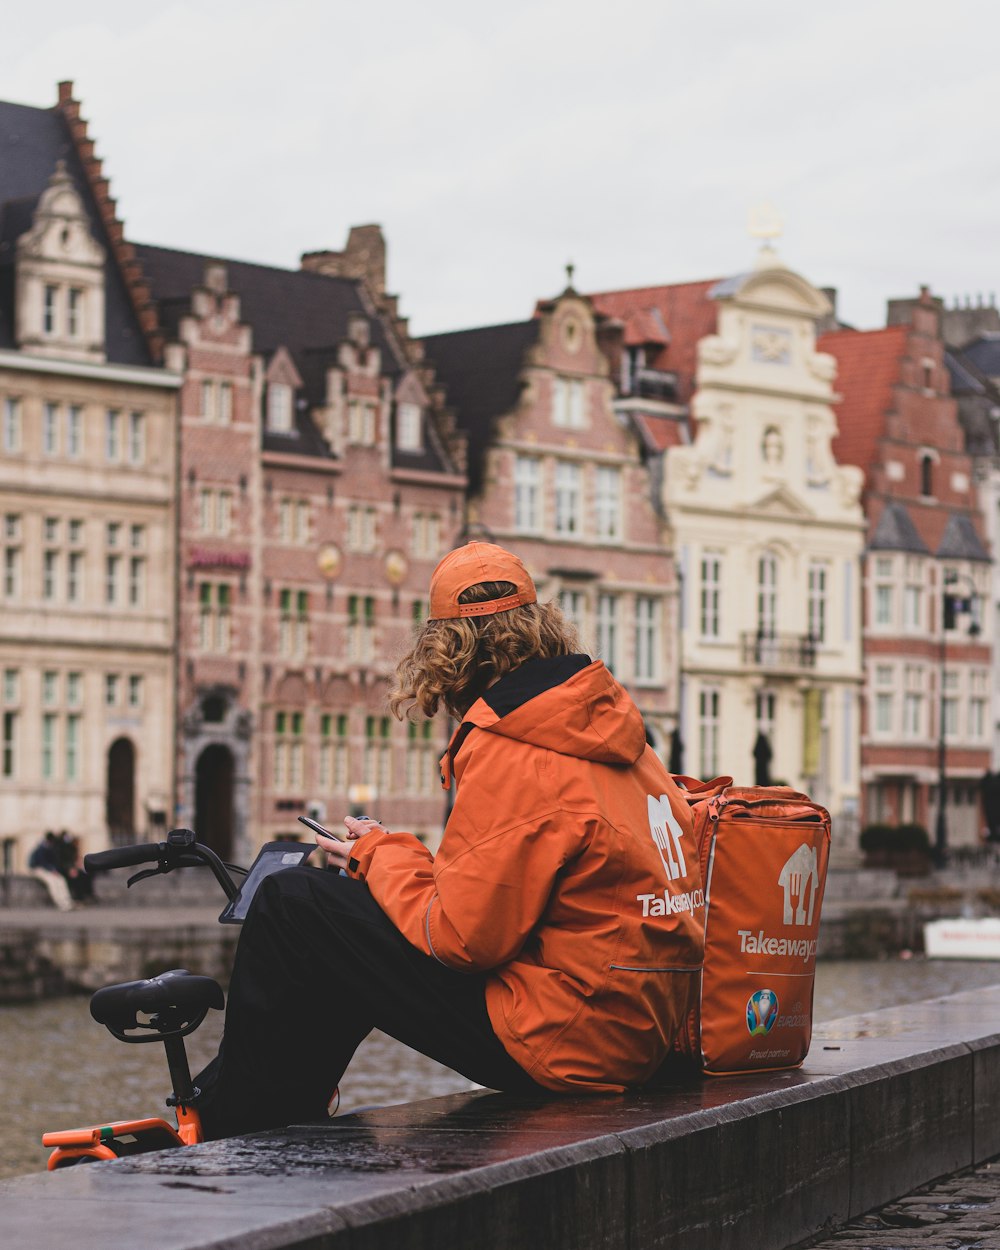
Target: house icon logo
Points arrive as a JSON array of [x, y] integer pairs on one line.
[[799, 878]]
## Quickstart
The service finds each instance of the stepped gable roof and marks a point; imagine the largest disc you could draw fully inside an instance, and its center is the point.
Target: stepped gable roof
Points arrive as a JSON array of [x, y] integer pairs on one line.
[[687, 312], [868, 368], [984, 353], [895, 531], [32, 141], [960, 540], [481, 370]]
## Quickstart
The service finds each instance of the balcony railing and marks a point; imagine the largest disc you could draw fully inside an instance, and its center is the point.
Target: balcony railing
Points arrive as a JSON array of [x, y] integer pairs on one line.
[[654, 383], [779, 653]]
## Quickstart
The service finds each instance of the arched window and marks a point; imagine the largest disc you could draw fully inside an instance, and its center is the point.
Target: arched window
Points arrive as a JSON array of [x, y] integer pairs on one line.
[[927, 474]]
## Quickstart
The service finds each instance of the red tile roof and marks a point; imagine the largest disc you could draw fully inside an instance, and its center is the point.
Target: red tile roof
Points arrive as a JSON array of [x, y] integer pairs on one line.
[[868, 367], [685, 310]]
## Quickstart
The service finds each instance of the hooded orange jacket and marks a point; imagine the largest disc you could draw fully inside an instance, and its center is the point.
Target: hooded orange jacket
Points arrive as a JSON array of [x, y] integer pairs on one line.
[[567, 873]]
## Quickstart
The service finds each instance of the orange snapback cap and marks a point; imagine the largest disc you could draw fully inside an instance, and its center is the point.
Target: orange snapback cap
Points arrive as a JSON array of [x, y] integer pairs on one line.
[[469, 566]]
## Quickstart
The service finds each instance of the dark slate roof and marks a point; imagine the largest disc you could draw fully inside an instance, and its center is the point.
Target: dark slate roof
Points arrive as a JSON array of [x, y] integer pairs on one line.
[[895, 531], [960, 541], [32, 140], [304, 312], [481, 372], [964, 378], [984, 353]]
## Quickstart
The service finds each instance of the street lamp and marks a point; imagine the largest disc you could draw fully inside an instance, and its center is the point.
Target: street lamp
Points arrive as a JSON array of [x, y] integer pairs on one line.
[[951, 605]]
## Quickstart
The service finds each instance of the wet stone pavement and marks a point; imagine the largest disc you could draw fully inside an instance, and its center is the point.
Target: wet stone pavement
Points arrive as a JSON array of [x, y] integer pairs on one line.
[[961, 1212]]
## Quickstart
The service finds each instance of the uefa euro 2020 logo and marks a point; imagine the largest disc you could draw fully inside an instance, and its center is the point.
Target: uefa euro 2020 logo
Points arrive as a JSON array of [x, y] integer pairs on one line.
[[762, 1011]]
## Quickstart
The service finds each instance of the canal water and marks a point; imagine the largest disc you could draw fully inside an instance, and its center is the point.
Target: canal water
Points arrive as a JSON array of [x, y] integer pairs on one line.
[[61, 1070]]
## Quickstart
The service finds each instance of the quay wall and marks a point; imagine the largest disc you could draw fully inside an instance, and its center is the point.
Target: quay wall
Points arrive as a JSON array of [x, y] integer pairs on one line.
[[886, 1102]]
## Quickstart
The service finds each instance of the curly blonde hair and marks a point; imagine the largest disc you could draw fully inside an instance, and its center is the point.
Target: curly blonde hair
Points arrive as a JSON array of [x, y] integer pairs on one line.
[[452, 662]]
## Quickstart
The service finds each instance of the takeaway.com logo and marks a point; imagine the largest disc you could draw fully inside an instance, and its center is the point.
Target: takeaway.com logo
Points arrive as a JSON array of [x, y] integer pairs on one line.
[[799, 878]]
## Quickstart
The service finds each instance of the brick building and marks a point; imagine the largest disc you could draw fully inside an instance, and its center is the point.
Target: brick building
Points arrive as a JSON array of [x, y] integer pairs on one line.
[[88, 471], [319, 485], [926, 575], [554, 473]]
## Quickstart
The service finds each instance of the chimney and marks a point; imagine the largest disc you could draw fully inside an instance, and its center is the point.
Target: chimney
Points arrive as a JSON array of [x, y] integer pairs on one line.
[[363, 258]]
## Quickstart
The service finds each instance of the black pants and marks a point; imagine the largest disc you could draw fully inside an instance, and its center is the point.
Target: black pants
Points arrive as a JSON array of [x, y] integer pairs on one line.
[[318, 966]]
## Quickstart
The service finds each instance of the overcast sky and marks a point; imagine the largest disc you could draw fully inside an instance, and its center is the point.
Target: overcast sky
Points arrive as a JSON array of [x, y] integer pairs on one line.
[[494, 142]]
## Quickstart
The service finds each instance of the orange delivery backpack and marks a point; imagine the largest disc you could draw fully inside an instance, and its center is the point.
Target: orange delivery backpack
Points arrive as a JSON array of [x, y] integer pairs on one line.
[[764, 852]]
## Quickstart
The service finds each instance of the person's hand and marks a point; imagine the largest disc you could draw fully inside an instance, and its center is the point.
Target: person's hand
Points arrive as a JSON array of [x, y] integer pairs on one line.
[[339, 853]]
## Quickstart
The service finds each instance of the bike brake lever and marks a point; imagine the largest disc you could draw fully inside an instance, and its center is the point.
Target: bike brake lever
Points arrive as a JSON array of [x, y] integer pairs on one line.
[[146, 872]]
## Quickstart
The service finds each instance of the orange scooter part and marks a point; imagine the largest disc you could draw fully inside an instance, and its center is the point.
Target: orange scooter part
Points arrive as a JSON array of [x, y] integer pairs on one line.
[[96, 1141]]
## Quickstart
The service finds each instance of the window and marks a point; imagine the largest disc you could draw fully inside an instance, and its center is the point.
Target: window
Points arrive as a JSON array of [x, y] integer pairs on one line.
[[50, 570], [884, 607], [112, 689], [818, 578], [135, 690], [136, 438], [647, 635], [421, 766], [360, 628], [571, 604], [288, 751], [74, 431], [527, 494], [568, 519], [12, 556], [113, 436], [334, 752], [361, 528], [568, 402], [608, 502], [225, 403], [426, 536], [11, 685], [50, 688], [74, 689], [979, 685], [607, 629], [913, 702], [50, 429], [214, 622], [378, 753], [767, 595], [293, 519], [74, 312], [766, 705], [279, 408], [8, 746], [12, 425], [361, 422], [294, 627], [409, 433], [708, 731], [927, 474], [711, 590], [112, 578], [884, 700], [49, 745], [136, 582], [208, 401], [73, 746], [74, 577], [49, 300], [950, 702]]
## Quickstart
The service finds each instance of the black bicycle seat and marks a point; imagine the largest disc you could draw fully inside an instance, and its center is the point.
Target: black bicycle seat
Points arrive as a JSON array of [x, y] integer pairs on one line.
[[175, 1002]]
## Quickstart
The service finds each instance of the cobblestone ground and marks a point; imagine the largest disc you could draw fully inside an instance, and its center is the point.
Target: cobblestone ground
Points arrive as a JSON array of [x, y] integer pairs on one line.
[[960, 1213]]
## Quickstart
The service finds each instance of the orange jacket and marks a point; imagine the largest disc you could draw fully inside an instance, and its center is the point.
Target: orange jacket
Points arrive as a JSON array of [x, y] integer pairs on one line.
[[566, 872]]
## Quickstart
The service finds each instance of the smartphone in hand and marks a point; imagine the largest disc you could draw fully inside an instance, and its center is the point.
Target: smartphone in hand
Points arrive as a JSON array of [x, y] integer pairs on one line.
[[316, 827]]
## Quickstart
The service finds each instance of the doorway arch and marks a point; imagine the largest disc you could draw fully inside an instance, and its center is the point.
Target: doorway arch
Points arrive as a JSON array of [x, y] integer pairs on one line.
[[213, 799], [119, 794]]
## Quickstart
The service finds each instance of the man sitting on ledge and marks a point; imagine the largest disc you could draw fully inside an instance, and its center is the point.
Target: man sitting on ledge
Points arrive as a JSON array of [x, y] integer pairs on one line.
[[521, 954]]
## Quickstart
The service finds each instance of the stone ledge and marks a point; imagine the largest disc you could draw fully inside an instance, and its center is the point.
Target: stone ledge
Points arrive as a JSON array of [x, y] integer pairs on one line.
[[886, 1102]]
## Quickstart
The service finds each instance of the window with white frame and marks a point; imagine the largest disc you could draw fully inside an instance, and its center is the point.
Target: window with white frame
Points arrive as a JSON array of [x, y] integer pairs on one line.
[[950, 702], [135, 687], [50, 301], [50, 723], [361, 628], [572, 606], [913, 595], [409, 427], [568, 499], [289, 754], [214, 619], [74, 431], [12, 430], [421, 765], [50, 429], [361, 422], [113, 436], [711, 594], [569, 402], [294, 521], [10, 697], [425, 536], [74, 312], [766, 703], [136, 438], [979, 687], [225, 405], [378, 753], [74, 689], [767, 595], [528, 494], [362, 533], [819, 576], [883, 721], [608, 501], [12, 556], [607, 629], [708, 730], [136, 581], [294, 624], [913, 702], [647, 637], [884, 608], [279, 407], [112, 689]]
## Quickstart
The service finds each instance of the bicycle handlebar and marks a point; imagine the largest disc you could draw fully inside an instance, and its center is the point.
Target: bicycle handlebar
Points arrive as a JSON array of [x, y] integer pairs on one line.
[[123, 856]]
